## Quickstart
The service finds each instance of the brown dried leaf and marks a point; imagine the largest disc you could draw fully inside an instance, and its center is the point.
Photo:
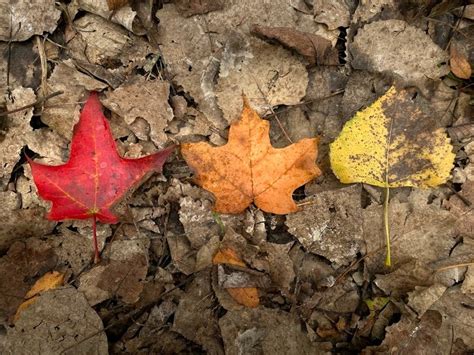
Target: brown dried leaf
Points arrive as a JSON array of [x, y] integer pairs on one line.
[[116, 4], [19, 20], [247, 296], [459, 64], [189, 8], [315, 49]]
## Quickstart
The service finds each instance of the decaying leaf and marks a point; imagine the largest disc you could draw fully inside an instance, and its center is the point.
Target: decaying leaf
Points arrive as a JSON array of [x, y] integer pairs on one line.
[[269, 75], [121, 276], [396, 48], [195, 318], [459, 64], [248, 169], [22, 211], [60, 321], [117, 11], [330, 225], [247, 296], [202, 51], [47, 282], [314, 48], [265, 331], [333, 14], [62, 112], [392, 143], [22, 263], [19, 20], [198, 7], [143, 100]]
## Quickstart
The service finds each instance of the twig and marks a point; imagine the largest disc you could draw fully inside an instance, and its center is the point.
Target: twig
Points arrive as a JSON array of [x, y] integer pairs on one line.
[[309, 101], [273, 112], [456, 27], [37, 102], [461, 197], [44, 65], [471, 263]]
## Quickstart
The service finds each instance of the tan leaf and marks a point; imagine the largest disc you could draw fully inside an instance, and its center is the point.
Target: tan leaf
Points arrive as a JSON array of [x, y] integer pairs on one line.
[[459, 64]]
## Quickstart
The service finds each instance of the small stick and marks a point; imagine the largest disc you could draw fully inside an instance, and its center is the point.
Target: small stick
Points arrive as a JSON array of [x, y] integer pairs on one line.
[[458, 195], [44, 65], [388, 259], [37, 102], [454, 266]]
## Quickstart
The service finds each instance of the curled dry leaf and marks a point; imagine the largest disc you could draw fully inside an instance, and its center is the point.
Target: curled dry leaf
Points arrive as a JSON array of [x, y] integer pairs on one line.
[[247, 296], [314, 48], [248, 169], [116, 4], [117, 11], [459, 64]]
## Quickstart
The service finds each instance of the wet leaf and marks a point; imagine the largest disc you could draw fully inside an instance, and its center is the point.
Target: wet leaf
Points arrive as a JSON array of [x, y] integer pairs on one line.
[[248, 169], [96, 177]]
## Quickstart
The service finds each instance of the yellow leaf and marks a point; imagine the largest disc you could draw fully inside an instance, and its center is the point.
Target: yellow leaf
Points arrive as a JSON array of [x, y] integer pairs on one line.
[[392, 143], [48, 281]]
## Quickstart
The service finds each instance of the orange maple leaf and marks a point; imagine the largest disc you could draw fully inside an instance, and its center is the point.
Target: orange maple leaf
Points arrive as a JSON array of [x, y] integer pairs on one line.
[[247, 296], [248, 169]]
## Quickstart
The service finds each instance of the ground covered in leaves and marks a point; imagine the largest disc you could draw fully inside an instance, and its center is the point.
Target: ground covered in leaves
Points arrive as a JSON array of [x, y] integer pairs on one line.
[[173, 72]]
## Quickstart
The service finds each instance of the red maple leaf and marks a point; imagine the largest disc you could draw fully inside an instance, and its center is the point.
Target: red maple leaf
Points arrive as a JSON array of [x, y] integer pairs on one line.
[[96, 177]]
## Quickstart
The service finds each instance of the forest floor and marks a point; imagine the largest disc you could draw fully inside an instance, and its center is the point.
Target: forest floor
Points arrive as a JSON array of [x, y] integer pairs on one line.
[[175, 72]]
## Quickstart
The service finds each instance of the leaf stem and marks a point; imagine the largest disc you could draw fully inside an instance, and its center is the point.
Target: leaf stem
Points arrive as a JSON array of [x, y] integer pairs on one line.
[[96, 247], [388, 259]]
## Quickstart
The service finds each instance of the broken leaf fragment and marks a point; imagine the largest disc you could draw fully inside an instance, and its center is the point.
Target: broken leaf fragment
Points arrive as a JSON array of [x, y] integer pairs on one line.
[[248, 169], [392, 143], [247, 296], [48, 281]]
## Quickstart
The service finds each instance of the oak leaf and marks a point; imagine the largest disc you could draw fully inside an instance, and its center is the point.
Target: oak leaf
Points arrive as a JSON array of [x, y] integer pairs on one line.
[[248, 169], [96, 177], [247, 296]]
